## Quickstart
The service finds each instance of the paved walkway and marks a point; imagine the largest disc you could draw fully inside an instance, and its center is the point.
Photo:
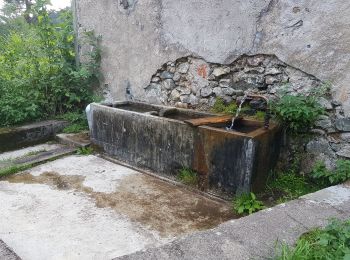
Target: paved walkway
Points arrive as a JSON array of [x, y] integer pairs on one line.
[[255, 236], [84, 207]]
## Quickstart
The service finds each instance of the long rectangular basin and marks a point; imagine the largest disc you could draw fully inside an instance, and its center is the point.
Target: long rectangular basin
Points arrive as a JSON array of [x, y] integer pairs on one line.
[[165, 139]]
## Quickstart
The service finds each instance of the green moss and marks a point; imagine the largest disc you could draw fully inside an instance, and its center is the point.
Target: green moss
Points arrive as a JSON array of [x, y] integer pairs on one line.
[[221, 107], [231, 109], [260, 115]]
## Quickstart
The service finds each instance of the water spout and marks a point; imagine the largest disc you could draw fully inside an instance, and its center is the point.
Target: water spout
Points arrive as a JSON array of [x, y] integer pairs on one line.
[[238, 112], [247, 95]]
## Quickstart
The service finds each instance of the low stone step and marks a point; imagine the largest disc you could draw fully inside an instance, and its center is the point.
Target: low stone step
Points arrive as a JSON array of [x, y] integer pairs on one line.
[[35, 157], [46, 156], [74, 140]]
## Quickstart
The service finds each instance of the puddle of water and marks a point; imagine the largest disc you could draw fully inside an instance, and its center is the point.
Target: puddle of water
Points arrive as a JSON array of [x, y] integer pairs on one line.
[[155, 204]]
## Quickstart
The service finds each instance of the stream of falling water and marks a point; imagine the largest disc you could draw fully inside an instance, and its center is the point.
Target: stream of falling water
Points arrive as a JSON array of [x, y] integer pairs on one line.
[[237, 113]]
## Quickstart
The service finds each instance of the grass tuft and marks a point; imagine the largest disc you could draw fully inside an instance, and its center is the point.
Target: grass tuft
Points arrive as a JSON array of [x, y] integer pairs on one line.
[[188, 177], [14, 169], [85, 151], [289, 186]]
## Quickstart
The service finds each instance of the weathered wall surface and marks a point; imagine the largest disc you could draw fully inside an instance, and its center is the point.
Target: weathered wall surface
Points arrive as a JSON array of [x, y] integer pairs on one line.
[[312, 36], [308, 39], [140, 36]]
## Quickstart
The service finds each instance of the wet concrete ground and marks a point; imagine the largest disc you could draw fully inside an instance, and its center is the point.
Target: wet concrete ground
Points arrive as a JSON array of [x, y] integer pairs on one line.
[[84, 207]]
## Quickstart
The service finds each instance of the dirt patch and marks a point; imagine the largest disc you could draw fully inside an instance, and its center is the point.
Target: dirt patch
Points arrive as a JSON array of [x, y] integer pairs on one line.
[[53, 179], [164, 207], [161, 206]]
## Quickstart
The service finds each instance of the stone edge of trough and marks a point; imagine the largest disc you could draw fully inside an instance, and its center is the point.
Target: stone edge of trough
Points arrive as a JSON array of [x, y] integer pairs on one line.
[[257, 236], [6, 253]]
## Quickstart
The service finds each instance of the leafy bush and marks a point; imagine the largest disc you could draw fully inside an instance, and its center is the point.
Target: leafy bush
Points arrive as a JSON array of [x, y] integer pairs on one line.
[[39, 77], [247, 203], [78, 122], [332, 242], [297, 113], [188, 176], [327, 177]]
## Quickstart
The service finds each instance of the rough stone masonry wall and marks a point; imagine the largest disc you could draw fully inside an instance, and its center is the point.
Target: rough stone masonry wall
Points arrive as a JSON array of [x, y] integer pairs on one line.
[[138, 37], [194, 83]]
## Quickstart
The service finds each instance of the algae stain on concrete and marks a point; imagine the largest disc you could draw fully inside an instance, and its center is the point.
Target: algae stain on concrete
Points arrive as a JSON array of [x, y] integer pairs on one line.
[[53, 179], [155, 204]]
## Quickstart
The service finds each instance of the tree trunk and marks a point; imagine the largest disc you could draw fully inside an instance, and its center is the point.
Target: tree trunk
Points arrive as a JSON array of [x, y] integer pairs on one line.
[[27, 12]]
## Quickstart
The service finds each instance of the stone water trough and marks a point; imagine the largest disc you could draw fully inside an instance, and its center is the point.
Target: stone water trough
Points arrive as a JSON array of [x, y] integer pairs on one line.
[[165, 139]]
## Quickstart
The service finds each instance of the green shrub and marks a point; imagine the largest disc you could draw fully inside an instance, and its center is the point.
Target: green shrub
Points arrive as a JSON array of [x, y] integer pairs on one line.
[[39, 77], [221, 107], [188, 177], [78, 122], [297, 113], [332, 242], [247, 203], [327, 177]]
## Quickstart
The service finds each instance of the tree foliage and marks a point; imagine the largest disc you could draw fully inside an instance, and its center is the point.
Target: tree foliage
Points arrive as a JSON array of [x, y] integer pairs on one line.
[[39, 77], [15, 8]]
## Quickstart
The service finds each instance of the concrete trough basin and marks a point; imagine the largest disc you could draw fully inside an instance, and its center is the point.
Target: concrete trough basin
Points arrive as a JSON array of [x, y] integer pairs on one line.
[[165, 139], [30, 134]]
